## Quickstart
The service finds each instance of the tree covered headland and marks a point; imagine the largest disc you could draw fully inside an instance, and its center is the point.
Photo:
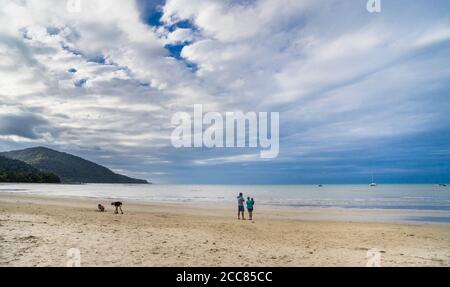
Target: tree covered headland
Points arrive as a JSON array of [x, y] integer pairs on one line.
[[17, 171]]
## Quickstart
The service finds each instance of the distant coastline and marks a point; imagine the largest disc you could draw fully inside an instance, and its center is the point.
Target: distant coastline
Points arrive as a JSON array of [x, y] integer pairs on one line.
[[57, 167]]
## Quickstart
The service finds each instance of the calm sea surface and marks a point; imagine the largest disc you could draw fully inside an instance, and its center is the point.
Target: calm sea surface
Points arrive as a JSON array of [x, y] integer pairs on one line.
[[402, 196]]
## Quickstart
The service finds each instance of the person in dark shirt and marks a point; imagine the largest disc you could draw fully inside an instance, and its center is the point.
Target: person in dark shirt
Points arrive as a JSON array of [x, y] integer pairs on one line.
[[241, 209], [118, 206]]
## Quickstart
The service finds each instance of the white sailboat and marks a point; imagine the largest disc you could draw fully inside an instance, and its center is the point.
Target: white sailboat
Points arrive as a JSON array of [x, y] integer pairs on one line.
[[373, 182]]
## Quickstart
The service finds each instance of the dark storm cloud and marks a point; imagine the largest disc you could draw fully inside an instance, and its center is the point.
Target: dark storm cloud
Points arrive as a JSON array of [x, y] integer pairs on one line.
[[23, 125]]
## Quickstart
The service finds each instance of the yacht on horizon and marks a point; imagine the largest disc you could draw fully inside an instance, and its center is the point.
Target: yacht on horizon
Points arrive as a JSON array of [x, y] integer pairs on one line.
[[373, 182]]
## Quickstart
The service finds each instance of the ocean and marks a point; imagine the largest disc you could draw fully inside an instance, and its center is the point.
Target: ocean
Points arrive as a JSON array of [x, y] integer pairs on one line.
[[396, 196]]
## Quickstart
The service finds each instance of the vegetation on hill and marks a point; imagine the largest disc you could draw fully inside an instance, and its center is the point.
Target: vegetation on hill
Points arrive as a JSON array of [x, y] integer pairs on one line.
[[70, 168], [17, 171]]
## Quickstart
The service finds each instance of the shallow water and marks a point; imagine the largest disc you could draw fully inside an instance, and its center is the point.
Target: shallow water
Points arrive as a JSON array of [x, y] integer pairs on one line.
[[402, 196]]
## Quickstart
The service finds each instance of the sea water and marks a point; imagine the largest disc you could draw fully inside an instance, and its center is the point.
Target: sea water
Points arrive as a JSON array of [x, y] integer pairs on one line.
[[400, 196]]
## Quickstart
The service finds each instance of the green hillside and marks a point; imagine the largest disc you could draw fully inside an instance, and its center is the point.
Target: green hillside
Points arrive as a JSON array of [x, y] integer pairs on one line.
[[17, 171], [70, 168]]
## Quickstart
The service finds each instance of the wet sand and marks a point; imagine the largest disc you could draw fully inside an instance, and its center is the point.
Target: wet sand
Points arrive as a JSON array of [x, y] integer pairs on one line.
[[38, 231]]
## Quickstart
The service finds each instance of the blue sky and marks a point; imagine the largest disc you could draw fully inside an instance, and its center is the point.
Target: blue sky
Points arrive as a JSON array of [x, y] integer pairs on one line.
[[358, 93]]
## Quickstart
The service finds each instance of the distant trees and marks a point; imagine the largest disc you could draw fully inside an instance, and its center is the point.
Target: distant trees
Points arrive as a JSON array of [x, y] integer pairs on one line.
[[33, 177], [17, 171], [69, 168]]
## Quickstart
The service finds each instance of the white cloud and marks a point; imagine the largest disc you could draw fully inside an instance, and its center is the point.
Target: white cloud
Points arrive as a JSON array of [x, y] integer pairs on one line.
[[242, 158], [434, 36], [336, 73]]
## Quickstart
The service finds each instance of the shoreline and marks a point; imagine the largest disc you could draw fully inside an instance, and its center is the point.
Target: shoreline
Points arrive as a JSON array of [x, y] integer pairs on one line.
[[38, 231], [265, 211]]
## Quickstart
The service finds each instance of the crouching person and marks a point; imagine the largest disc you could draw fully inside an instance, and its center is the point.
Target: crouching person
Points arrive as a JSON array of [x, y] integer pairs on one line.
[[118, 206]]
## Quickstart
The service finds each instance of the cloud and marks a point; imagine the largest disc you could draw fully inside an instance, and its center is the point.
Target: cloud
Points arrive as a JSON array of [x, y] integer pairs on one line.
[[230, 159], [22, 125], [104, 82], [434, 36]]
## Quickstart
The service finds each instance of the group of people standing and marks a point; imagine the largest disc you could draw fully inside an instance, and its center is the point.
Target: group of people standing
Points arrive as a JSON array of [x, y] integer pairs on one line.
[[241, 209]]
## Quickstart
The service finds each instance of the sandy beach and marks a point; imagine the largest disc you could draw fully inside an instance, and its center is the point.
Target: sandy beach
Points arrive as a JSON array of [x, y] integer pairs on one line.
[[38, 231]]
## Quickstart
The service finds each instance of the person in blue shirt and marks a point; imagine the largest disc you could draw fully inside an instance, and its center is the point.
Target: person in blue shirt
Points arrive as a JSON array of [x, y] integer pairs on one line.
[[250, 203]]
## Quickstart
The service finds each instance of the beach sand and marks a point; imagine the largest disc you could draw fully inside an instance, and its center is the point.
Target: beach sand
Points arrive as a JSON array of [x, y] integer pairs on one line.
[[38, 231]]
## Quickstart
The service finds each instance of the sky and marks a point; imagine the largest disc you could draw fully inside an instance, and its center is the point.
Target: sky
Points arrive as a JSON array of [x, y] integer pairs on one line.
[[358, 93]]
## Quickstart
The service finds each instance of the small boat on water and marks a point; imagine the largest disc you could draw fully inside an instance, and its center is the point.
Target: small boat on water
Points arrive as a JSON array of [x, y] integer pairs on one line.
[[373, 182]]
